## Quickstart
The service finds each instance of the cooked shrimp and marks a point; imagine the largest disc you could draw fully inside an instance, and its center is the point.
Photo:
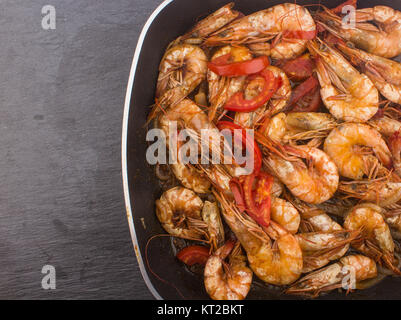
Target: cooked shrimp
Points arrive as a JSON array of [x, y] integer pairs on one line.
[[285, 214], [381, 192], [176, 209], [376, 241], [383, 40], [182, 69], [212, 23], [314, 183], [337, 275], [354, 148], [319, 248], [299, 126], [274, 105], [386, 125], [211, 216], [193, 117], [266, 25], [222, 88], [348, 94], [230, 281], [273, 254], [384, 73]]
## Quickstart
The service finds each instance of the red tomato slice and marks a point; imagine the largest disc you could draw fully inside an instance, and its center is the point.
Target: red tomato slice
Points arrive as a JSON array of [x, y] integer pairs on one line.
[[194, 255], [238, 103], [309, 103], [303, 89], [298, 69], [222, 67]]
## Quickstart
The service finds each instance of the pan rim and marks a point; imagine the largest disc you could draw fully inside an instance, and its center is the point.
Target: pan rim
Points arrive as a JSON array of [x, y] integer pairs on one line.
[[124, 141]]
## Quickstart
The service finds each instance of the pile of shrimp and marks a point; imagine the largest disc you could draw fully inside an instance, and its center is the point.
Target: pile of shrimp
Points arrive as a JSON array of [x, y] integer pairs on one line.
[[330, 139]]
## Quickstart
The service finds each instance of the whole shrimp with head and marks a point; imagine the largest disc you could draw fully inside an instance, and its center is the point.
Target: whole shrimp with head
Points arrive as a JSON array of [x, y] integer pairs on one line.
[[312, 183], [384, 73], [381, 38], [288, 25], [273, 253], [348, 94], [182, 69], [376, 241], [345, 274], [230, 281]]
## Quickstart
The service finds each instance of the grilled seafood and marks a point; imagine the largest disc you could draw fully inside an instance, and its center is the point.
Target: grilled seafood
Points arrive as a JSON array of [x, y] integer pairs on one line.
[[314, 183], [273, 254], [382, 40], [181, 70], [320, 248], [341, 274], [348, 94], [325, 148], [376, 241], [230, 281], [176, 209], [355, 149], [384, 73], [276, 23]]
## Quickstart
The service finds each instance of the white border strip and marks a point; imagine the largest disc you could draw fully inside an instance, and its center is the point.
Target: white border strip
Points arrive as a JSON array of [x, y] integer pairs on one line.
[[124, 146]]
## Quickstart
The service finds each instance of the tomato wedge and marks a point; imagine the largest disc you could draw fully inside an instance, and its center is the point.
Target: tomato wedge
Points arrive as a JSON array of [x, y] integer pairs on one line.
[[257, 154], [297, 69], [223, 67], [311, 102], [258, 201], [303, 89], [239, 104], [194, 255]]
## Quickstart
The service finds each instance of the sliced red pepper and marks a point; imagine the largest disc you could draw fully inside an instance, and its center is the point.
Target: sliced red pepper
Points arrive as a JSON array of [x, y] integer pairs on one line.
[[223, 67], [339, 8], [297, 69], [194, 255], [310, 102], [238, 103], [303, 89], [257, 154]]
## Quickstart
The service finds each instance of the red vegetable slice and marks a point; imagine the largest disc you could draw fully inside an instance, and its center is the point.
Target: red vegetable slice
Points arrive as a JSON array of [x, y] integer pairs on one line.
[[223, 67], [311, 102], [298, 69], [258, 202], [194, 255], [303, 89], [257, 154], [339, 8], [238, 103], [300, 34]]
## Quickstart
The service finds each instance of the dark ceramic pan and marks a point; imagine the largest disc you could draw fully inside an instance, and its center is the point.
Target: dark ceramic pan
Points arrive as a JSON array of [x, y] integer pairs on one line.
[[171, 19]]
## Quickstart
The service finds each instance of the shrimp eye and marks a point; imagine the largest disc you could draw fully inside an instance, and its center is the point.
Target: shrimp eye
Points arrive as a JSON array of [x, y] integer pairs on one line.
[[350, 45]]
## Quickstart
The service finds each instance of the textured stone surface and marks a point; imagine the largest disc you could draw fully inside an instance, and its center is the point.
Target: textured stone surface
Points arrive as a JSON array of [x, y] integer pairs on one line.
[[61, 104]]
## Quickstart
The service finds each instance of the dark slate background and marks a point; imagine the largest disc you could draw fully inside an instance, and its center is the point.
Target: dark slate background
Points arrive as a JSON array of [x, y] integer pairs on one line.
[[61, 105]]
